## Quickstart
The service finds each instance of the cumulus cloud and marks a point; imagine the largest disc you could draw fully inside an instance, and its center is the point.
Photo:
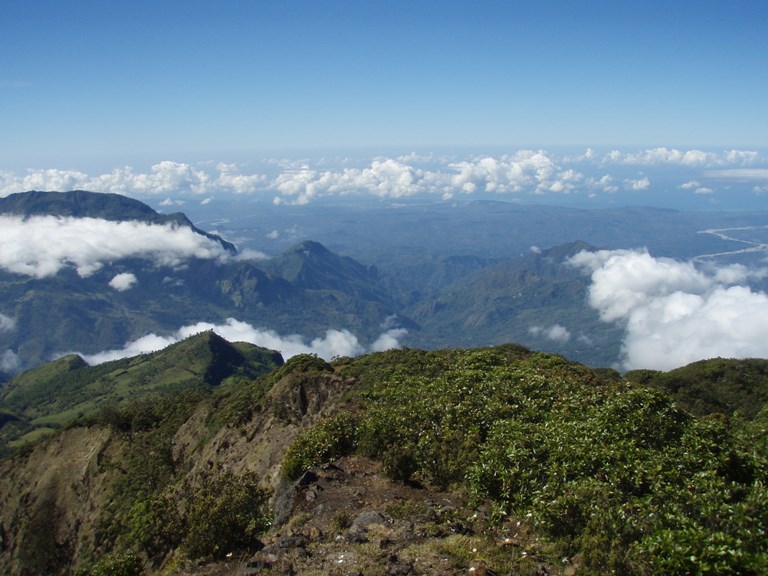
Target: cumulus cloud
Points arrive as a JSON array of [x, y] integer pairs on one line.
[[290, 181], [230, 178], [6, 323], [697, 187], [172, 202], [386, 178], [123, 282], [639, 184], [531, 170], [673, 312], [334, 343], [388, 340], [9, 362], [40, 246], [556, 332]]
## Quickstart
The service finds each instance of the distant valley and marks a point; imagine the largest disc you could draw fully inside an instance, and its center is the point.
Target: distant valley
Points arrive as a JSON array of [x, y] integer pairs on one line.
[[416, 275]]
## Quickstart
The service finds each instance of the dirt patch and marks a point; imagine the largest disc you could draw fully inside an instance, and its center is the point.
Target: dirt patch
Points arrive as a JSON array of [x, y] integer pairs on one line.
[[345, 519]]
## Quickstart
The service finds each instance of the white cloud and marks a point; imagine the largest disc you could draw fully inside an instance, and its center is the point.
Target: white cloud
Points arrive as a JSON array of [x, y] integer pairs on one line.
[[697, 187], [535, 171], [40, 246], [742, 174], [661, 155], [389, 340], [639, 184], [556, 332], [605, 183], [230, 178], [334, 343], [9, 362], [673, 312], [6, 323], [386, 178], [171, 202], [123, 282], [293, 181], [248, 254]]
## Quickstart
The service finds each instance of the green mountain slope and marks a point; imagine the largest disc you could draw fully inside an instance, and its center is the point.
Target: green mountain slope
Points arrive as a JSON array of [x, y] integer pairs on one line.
[[520, 300], [717, 385], [406, 462], [54, 394]]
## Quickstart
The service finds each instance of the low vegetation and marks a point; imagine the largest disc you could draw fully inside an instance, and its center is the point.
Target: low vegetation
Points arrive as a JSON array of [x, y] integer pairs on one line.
[[608, 470], [606, 475]]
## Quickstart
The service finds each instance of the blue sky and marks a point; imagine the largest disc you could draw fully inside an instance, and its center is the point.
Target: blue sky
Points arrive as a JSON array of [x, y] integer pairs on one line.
[[95, 81], [172, 98]]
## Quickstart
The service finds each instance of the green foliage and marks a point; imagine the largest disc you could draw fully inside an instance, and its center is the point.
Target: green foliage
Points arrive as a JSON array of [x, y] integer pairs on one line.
[[115, 564], [63, 391], [717, 385], [209, 515], [608, 469], [154, 524], [146, 466], [302, 364], [332, 437], [222, 513]]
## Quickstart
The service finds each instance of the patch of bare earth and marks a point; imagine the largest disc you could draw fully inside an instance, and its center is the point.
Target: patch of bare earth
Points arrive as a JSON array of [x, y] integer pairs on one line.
[[346, 519]]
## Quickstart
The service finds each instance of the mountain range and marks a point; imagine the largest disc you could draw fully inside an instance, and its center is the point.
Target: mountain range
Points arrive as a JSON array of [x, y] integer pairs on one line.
[[306, 290]]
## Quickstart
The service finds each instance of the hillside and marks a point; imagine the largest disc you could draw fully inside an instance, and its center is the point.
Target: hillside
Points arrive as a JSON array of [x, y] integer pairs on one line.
[[519, 300], [495, 460], [719, 385], [50, 396]]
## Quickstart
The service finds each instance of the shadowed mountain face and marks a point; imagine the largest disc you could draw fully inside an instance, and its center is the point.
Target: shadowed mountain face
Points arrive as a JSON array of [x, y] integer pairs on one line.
[[448, 301]]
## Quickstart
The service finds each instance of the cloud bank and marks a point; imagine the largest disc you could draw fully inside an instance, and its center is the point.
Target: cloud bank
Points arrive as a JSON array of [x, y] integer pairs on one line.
[[334, 343], [41, 246], [673, 312], [523, 172]]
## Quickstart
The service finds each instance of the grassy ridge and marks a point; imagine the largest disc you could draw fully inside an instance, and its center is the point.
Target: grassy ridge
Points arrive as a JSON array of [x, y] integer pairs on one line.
[[54, 394]]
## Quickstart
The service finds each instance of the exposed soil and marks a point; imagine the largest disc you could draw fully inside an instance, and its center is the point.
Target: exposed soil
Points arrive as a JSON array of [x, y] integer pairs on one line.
[[346, 519]]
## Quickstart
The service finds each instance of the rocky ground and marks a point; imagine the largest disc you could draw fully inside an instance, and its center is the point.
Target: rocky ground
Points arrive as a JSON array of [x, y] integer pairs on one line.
[[345, 519]]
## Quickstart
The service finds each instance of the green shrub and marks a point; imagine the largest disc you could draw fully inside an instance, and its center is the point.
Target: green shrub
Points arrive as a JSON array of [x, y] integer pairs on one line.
[[223, 512], [332, 437], [115, 564]]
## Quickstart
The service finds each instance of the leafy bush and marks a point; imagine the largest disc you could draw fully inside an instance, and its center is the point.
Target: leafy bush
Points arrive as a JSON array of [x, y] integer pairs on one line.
[[209, 515], [332, 437], [605, 468], [115, 564], [302, 363], [223, 512]]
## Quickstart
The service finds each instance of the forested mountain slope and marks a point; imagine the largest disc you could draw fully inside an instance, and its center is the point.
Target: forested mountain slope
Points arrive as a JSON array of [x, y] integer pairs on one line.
[[405, 462]]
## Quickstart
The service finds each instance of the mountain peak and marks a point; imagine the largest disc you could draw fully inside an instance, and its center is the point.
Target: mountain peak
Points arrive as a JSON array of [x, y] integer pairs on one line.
[[77, 203], [105, 206]]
